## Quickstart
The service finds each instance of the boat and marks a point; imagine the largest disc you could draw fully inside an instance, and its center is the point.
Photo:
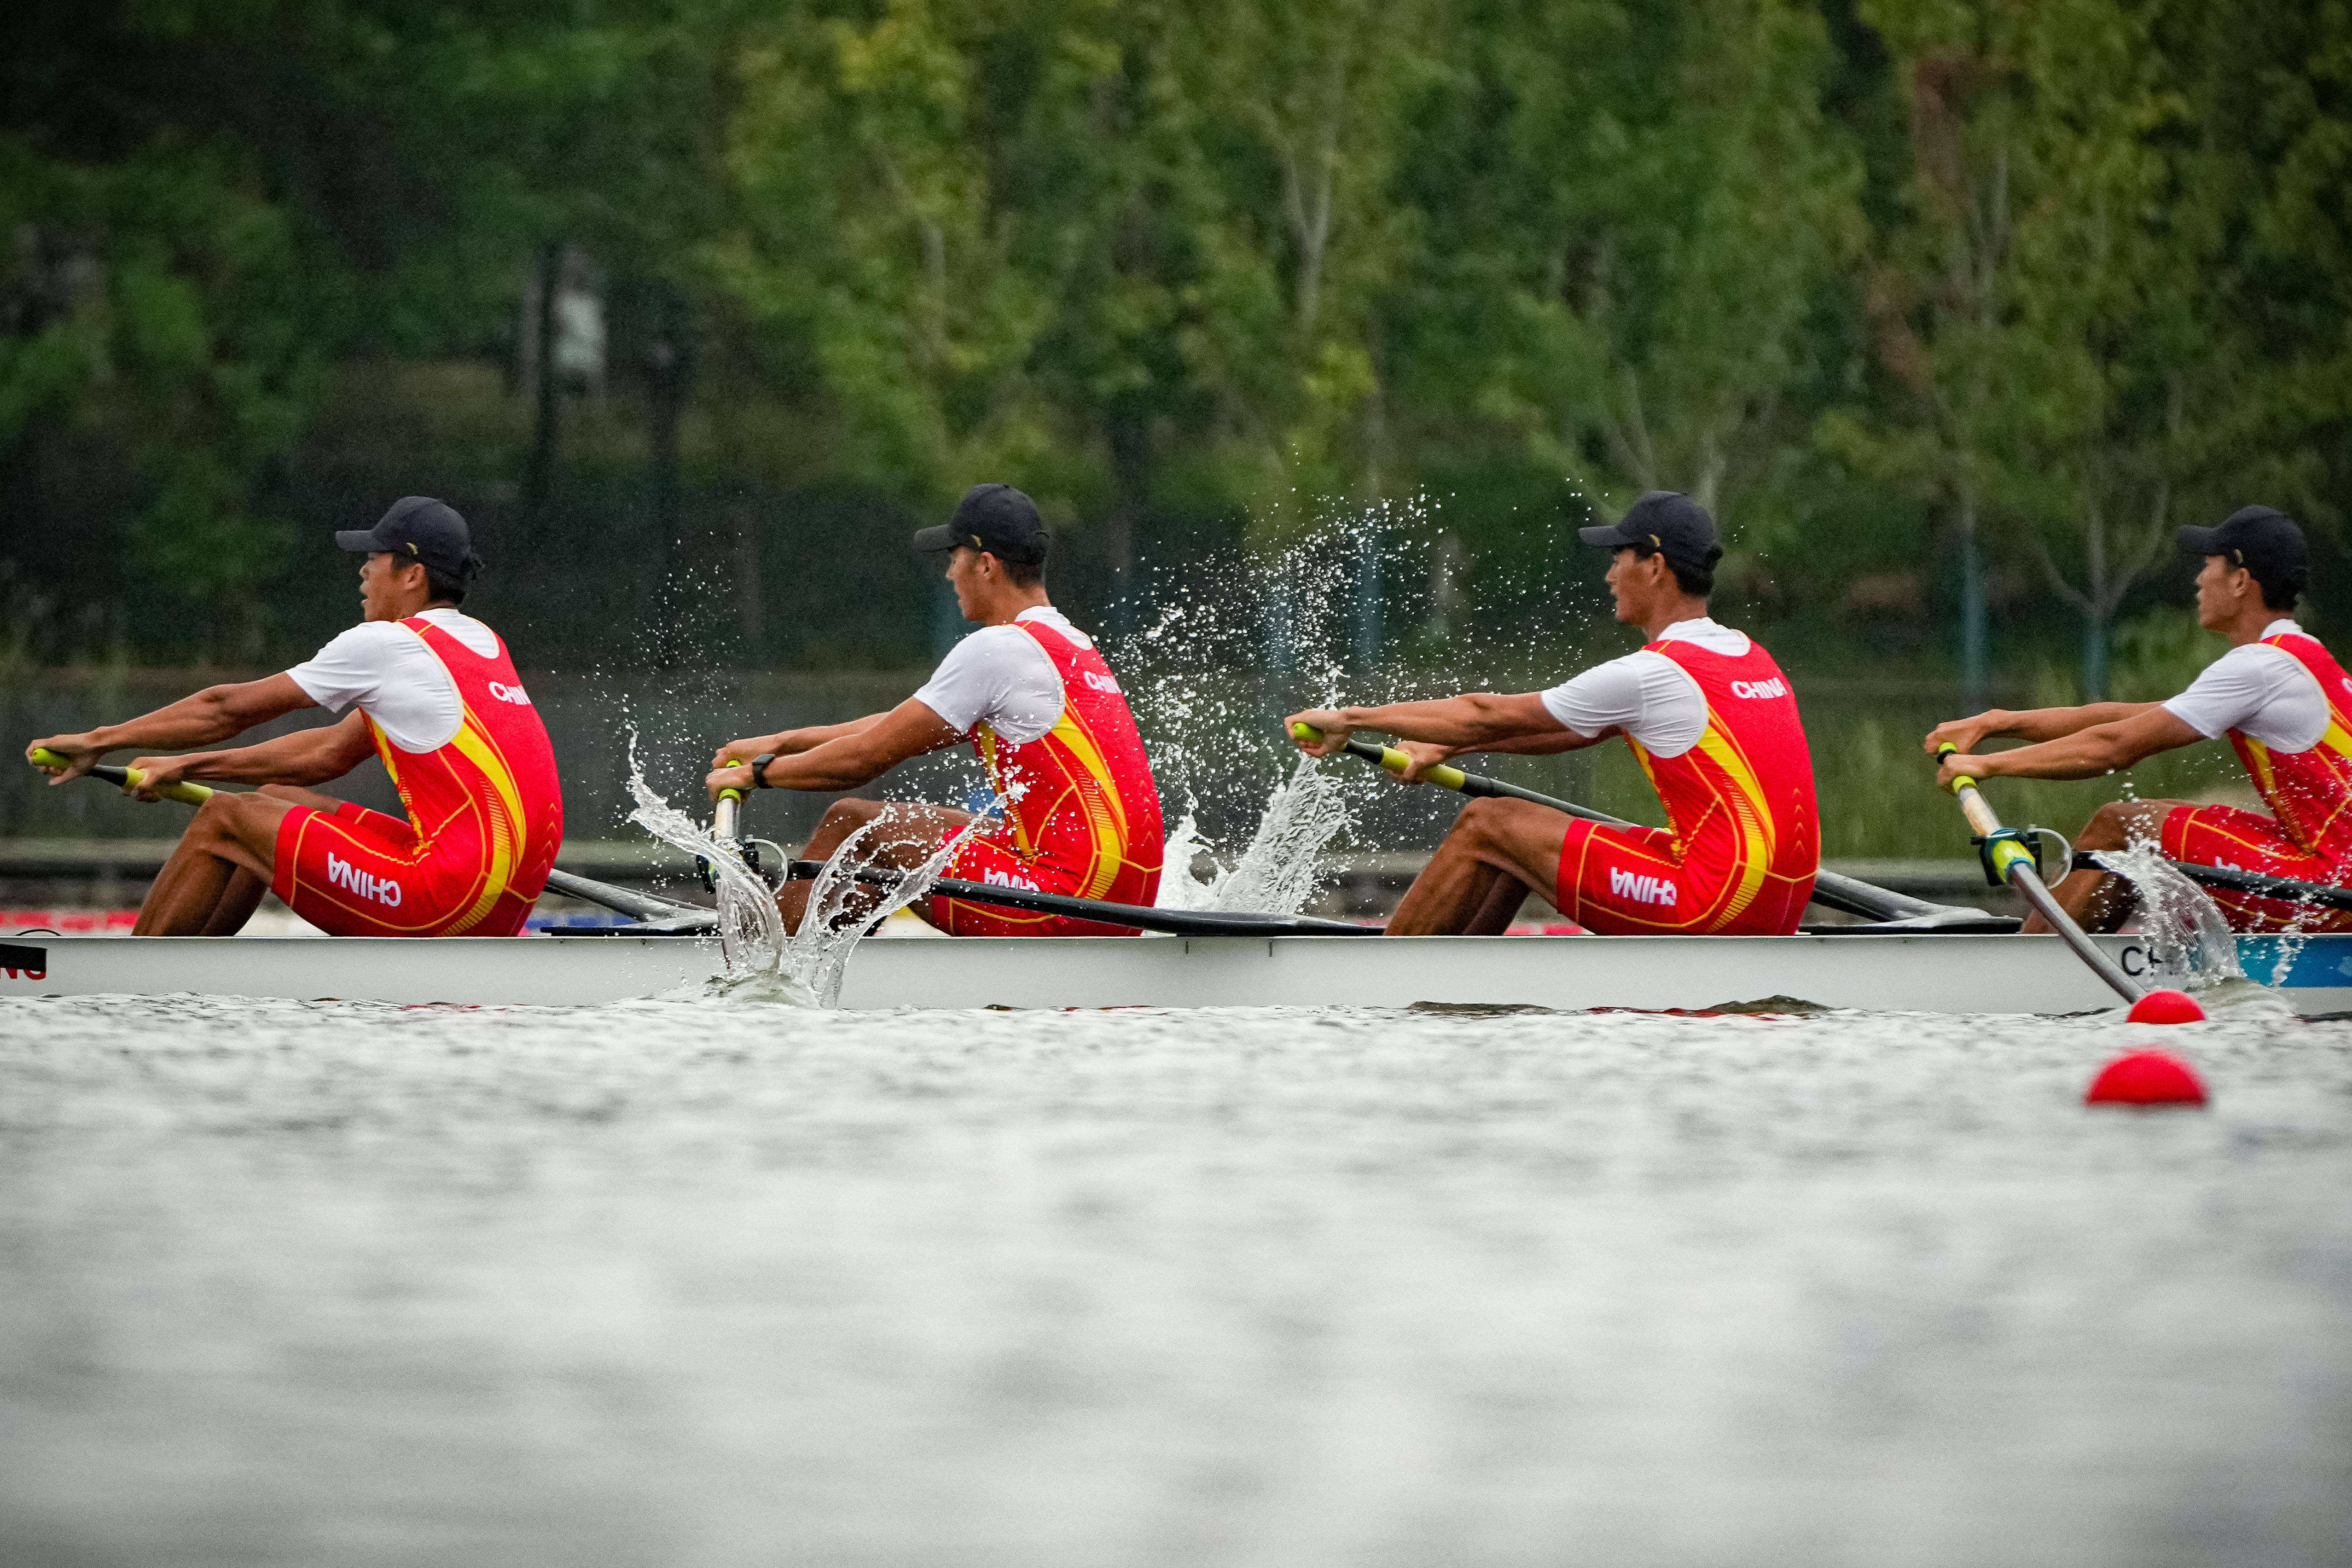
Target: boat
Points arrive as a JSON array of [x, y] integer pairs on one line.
[[1940, 973]]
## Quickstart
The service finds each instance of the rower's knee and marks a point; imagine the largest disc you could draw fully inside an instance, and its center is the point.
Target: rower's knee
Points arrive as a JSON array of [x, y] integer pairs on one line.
[[250, 820], [841, 819], [214, 820], [1481, 820], [2120, 823], [848, 816]]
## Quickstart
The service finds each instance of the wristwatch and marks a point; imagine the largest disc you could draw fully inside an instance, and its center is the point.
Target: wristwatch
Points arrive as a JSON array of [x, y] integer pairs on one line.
[[760, 770]]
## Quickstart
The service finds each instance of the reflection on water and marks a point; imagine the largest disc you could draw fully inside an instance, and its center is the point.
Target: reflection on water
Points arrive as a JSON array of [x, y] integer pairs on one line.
[[332, 1283]]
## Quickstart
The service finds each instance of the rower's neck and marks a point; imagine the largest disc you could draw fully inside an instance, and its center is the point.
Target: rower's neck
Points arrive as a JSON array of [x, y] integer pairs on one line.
[[1674, 616], [2250, 626], [1016, 603]]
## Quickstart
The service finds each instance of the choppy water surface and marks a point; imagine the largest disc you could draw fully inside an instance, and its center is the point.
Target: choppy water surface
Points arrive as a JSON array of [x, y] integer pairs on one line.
[[660, 1284]]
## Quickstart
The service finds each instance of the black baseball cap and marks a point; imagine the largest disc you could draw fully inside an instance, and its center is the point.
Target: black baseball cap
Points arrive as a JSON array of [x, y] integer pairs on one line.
[[418, 528], [2261, 539], [997, 519], [1667, 521]]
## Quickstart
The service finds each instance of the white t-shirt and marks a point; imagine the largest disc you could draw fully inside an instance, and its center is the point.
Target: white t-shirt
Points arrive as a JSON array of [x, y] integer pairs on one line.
[[1000, 677], [1645, 694], [2266, 693], [392, 676]]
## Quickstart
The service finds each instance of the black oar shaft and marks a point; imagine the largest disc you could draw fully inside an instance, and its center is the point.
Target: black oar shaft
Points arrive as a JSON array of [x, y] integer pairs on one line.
[[1178, 923], [2013, 863]]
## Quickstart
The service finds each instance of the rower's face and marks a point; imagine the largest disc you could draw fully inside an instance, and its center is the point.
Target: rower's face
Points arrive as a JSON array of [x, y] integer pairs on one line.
[[1632, 583], [967, 578], [385, 587], [2220, 588]]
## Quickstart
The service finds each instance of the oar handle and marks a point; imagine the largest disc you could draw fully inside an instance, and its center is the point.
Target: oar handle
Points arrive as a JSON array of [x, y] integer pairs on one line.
[[1980, 814], [1444, 775], [2010, 857], [124, 779]]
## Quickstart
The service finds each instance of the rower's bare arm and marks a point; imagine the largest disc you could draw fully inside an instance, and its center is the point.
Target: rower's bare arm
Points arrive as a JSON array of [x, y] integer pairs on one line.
[[857, 757], [216, 713], [1472, 721], [2031, 724], [1548, 744], [2088, 754], [305, 757], [786, 743]]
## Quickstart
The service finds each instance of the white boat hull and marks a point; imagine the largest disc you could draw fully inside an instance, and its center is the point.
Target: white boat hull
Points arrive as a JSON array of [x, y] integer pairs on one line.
[[1924, 974]]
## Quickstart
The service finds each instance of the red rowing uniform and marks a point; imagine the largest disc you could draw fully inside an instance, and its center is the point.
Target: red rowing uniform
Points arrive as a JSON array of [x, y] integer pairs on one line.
[[2308, 835], [1083, 813], [1745, 841], [485, 818]]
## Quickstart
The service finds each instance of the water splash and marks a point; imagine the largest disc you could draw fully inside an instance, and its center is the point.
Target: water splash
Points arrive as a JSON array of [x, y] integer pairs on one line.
[[817, 957], [1279, 870], [750, 931], [1305, 620], [2187, 937]]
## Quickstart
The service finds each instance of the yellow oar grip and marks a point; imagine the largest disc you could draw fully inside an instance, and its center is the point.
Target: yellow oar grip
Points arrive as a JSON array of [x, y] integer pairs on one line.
[[1444, 775], [1960, 781], [185, 793], [1305, 731]]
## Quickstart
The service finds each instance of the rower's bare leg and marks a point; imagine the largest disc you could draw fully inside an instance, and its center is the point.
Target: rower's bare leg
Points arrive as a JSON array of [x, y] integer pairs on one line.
[[2100, 900], [1501, 907], [1494, 842], [198, 893], [245, 891], [239, 900], [907, 837]]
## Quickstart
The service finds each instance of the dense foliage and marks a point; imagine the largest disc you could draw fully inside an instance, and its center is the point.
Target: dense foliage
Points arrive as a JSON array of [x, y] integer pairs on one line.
[[1950, 308]]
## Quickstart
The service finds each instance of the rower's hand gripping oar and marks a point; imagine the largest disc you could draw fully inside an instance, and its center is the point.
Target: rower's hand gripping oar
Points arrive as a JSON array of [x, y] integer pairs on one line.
[[1841, 893], [124, 779], [2008, 855]]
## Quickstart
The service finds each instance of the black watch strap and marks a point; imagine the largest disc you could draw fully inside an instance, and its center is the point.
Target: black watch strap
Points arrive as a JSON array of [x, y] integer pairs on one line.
[[759, 769]]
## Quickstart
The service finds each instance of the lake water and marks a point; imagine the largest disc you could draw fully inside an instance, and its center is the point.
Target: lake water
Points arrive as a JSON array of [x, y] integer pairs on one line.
[[664, 1284]]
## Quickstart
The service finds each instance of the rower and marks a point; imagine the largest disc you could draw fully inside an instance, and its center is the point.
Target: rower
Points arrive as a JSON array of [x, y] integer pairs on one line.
[[2280, 697], [432, 691], [1032, 695], [1708, 715]]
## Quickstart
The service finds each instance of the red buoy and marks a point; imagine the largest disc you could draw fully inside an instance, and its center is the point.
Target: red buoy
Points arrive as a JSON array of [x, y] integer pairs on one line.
[[2146, 1077], [2166, 1007]]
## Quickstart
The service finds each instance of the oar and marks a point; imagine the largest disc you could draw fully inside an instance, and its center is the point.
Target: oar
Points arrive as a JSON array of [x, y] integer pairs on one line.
[[2282, 887], [125, 778], [619, 899], [2008, 857], [1837, 893], [1179, 922]]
